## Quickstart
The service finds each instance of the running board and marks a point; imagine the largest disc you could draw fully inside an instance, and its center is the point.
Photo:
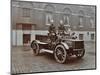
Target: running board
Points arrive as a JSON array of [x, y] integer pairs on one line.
[[46, 50]]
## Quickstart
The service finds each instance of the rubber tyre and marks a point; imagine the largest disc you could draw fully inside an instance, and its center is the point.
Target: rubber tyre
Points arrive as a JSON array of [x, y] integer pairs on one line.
[[35, 47], [60, 54]]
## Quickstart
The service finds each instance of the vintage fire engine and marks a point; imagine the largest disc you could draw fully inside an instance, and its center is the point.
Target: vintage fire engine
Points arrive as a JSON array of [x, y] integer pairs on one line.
[[62, 46]]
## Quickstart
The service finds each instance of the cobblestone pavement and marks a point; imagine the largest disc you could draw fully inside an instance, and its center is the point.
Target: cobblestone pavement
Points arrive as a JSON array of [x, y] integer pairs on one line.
[[24, 61]]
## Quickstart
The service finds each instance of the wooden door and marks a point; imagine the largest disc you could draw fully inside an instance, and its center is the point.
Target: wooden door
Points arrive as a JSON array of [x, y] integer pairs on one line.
[[26, 39]]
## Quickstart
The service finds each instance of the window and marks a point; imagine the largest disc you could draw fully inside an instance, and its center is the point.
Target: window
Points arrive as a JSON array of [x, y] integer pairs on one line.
[[26, 26], [88, 33], [66, 19], [66, 16], [81, 18], [92, 36], [18, 26], [91, 23], [81, 21], [81, 36], [49, 11], [49, 18], [26, 12]]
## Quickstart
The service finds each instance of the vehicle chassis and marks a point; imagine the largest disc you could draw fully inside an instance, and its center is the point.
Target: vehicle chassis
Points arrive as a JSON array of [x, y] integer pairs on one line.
[[62, 49]]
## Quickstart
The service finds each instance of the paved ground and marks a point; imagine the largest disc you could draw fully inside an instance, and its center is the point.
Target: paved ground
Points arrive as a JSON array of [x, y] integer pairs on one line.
[[24, 61]]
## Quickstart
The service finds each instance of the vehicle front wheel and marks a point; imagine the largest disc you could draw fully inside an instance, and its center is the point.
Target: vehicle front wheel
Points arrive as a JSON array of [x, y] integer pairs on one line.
[[80, 54], [60, 54], [35, 47]]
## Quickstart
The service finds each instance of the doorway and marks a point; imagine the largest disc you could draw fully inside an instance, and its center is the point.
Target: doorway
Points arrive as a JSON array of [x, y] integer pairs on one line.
[[26, 39]]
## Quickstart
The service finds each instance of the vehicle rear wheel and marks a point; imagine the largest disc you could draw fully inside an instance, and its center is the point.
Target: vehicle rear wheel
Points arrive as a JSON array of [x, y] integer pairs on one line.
[[35, 47], [80, 54], [60, 54]]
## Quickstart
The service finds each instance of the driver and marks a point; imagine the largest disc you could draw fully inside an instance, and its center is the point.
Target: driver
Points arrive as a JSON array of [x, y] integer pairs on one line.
[[52, 32], [52, 28]]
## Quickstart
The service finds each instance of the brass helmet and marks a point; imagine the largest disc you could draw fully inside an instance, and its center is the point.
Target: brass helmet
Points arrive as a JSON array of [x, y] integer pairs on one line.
[[52, 21], [61, 22]]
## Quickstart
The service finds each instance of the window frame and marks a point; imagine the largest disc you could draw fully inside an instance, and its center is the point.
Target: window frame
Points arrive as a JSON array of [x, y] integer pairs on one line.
[[66, 19], [49, 17], [92, 34], [92, 23], [81, 36], [26, 12]]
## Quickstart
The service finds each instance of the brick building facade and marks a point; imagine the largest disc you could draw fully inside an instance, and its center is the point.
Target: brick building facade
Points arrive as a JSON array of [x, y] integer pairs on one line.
[[33, 18]]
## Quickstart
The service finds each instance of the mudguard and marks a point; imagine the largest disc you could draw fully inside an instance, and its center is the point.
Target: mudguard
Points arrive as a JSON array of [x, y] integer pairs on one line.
[[65, 45], [39, 42]]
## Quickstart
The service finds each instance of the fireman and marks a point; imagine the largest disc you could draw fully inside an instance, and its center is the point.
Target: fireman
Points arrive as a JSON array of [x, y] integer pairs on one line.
[[73, 35], [52, 32], [61, 28], [52, 28]]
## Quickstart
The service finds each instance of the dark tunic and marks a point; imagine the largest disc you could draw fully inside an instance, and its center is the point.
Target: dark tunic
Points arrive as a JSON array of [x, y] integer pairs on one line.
[[52, 28], [61, 27]]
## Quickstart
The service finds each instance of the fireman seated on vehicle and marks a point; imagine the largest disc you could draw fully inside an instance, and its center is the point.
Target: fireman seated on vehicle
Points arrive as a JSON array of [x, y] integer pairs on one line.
[[73, 35], [61, 28], [52, 28], [52, 32]]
